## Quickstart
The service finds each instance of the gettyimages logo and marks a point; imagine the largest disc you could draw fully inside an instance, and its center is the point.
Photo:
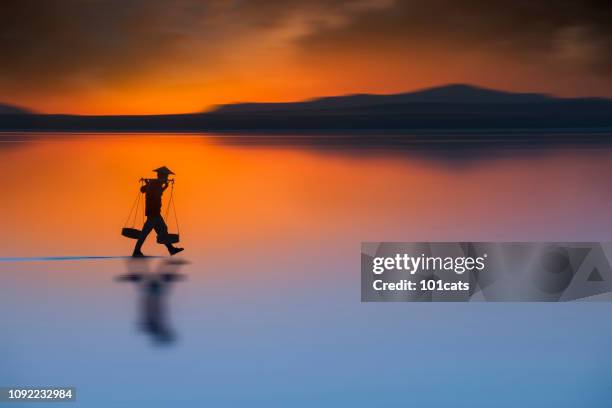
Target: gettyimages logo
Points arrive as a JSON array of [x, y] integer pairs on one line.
[[485, 271], [412, 264]]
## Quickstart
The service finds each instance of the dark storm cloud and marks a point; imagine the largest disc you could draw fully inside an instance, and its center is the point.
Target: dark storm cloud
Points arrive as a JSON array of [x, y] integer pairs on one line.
[[50, 43]]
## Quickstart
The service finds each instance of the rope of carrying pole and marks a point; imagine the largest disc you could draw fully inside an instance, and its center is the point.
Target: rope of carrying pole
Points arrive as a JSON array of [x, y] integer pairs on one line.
[[171, 204], [133, 210]]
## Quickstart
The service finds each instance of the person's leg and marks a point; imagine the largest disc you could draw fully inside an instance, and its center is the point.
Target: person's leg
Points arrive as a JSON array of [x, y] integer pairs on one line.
[[160, 227], [146, 230], [162, 230]]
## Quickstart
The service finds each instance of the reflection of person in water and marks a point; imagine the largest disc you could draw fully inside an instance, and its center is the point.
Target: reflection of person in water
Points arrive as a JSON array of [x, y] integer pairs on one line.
[[154, 288], [153, 190]]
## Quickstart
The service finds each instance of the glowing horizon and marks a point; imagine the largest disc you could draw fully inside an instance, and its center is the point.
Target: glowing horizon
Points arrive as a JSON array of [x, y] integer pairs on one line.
[[152, 57]]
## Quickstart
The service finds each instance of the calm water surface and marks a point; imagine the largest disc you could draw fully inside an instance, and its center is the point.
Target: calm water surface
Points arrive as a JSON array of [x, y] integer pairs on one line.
[[264, 306]]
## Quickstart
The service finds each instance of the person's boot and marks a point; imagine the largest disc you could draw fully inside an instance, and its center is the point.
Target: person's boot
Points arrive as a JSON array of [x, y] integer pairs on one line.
[[137, 254], [174, 250]]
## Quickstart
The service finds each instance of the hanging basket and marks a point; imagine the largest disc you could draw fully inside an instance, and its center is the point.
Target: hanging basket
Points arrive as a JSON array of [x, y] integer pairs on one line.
[[168, 239], [129, 230], [131, 233]]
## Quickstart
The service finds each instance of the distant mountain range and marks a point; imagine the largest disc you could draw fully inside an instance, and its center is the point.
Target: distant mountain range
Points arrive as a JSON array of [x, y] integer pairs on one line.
[[449, 94], [450, 107], [12, 110]]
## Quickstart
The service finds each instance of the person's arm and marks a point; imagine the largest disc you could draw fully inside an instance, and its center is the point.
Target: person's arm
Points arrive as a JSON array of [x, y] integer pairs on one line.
[[143, 189]]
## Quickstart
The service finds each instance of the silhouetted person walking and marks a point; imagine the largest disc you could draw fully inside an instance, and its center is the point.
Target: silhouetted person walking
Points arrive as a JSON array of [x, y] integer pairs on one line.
[[154, 189]]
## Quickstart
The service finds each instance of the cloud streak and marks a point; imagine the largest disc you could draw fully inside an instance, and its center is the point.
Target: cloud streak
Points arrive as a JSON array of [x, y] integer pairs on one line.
[[575, 32]]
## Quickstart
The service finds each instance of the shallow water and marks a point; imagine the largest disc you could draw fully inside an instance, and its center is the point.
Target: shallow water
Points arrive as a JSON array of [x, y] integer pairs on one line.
[[265, 309]]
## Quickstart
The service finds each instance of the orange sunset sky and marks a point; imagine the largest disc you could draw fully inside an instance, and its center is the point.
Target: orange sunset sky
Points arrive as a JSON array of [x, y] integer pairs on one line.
[[156, 56]]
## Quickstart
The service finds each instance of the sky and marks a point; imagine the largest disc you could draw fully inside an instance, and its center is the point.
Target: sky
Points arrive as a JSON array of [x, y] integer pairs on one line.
[[159, 56]]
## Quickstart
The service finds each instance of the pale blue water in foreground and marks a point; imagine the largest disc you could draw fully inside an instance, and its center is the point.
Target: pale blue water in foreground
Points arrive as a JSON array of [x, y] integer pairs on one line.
[[265, 310]]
